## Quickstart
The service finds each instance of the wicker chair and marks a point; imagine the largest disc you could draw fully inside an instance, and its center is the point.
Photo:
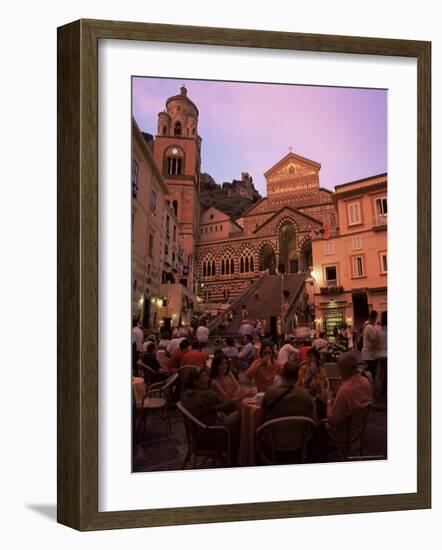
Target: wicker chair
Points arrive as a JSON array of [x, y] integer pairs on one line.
[[156, 401], [355, 425], [284, 440], [203, 441]]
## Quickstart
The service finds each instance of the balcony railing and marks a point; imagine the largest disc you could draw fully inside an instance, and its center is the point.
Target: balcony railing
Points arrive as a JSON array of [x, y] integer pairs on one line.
[[331, 287], [380, 221], [331, 290]]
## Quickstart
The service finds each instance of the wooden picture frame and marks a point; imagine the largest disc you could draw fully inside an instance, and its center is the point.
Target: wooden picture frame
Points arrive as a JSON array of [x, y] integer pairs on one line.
[[78, 274]]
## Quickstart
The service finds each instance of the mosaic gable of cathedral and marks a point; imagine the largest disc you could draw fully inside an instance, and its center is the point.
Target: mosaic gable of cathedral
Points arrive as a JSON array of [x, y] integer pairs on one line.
[[273, 225]]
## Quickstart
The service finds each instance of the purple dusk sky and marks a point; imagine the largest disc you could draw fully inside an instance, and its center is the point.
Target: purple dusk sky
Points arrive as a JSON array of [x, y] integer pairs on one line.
[[249, 127]]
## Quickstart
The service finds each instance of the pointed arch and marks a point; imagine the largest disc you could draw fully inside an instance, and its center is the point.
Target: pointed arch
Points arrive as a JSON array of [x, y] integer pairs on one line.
[[246, 253]]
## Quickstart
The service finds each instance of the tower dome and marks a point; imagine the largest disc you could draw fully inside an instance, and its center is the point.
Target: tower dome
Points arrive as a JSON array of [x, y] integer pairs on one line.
[[183, 115]]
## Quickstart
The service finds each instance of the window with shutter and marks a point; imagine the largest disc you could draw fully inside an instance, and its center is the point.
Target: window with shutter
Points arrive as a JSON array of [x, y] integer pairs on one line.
[[354, 213], [329, 248], [356, 243], [384, 265], [358, 266]]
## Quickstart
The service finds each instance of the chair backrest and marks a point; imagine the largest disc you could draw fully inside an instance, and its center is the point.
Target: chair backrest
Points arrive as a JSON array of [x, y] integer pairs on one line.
[[159, 389], [192, 426], [284, 435], [189, 416], [169, 381], [356, 425], [149, 373], [184, 372], [332, 370]]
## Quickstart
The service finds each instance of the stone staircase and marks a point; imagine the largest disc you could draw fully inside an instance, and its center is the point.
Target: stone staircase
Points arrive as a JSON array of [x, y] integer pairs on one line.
[[262, 301]]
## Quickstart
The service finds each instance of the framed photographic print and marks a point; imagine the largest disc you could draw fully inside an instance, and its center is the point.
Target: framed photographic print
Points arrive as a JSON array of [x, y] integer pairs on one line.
[[231, 204]]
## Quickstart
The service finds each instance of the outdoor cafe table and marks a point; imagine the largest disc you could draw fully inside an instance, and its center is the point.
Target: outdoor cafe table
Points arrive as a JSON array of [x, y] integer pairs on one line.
[[138, 389], [249, 422]]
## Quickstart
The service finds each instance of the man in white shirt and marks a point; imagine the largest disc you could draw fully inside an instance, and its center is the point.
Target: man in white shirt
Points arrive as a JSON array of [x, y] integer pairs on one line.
[[137, 336], [202, 334], [174, 344], [381, 382], [287, 352], [137, 344], [370, 344]]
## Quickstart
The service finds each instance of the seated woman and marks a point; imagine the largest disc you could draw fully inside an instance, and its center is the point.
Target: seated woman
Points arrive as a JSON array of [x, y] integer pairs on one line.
[[312, 375], [224, 383], [211, 409], [264, 369], [150, 359]]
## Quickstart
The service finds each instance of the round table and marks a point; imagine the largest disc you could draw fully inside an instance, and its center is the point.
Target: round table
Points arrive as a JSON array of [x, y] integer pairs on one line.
[[250, 413]]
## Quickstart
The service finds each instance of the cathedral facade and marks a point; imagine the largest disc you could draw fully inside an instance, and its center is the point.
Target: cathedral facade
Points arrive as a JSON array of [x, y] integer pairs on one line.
[[222, 256], [273, 235]]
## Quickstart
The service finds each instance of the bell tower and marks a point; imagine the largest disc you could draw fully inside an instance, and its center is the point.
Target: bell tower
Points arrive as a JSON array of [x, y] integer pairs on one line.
[[177, 154]]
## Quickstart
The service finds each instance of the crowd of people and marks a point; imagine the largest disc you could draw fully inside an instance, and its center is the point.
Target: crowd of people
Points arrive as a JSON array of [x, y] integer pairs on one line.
[[289, 379]]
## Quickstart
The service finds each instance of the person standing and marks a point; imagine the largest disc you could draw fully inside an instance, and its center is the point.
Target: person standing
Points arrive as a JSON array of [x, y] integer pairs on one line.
[[137, 343], [381, 382], [287, 352], [244, 312], [202, 334], [350, 333], [370, 344]]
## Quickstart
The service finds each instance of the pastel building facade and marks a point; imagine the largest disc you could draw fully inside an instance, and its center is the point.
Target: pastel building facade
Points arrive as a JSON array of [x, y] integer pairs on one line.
[[159, 297], [350, 265], [149, 193]]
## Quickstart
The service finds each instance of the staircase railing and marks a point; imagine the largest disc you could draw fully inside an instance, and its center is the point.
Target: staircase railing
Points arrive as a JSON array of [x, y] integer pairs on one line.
[[237, 302], [291, 308]]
